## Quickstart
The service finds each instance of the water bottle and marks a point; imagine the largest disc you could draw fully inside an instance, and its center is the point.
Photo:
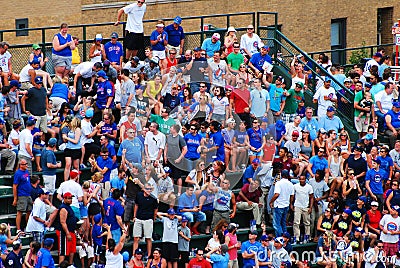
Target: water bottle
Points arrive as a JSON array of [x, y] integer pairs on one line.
[[294, 240], [253, 226], [306, 239]]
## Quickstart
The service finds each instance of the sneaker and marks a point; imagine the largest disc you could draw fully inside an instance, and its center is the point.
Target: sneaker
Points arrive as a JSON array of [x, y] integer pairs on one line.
[[80, 222], [82, 166], [19, 231], [50, 229]]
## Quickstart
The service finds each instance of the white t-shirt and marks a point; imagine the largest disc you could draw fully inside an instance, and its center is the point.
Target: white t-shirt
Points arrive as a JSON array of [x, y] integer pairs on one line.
[[251, 44], [290, 127], [74, 188], [369, 254], [285, 189], [218, 72], [4, 61], [293, 147], [24, 74], [391, 224], [25, 137], [154, 143], [135, 14], [13, 135], [302, 195], [385, 100], [85, 69], [219, 105], [322, 103], [87, 128], [38, 210]]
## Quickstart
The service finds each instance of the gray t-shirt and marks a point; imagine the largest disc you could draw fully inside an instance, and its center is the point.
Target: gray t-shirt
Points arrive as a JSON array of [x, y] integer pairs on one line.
[[319, 187], [175, 145], [127, 89], [170, 230], [183, 245]]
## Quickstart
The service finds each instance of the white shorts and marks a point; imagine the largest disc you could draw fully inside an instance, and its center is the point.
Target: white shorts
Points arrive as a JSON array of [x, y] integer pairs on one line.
[[360, 125], [159, 54], [143, 228], [49, 182]]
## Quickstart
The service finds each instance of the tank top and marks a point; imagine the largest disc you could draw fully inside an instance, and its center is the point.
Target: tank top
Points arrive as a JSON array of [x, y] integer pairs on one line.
[[59, 90], [342, 226], [222, 200], [396, 198], [353, 193], [65, 52], [153, 90], [114, 261], [70, 145], [307, 150], [326, 223], [232, 241], [171, 63], [136, 266], [335, 167], [297, 79], [344, 147], [96, 58], [127, 126], [170, 81], [157, 265], [24, 74], [92, 187], [70, 221], [49, 118]]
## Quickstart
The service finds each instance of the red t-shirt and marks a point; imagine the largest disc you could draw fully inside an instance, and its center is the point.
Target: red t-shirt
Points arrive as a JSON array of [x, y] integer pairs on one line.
[[252, 196], [374, 218], [240, 99], [194, 263]]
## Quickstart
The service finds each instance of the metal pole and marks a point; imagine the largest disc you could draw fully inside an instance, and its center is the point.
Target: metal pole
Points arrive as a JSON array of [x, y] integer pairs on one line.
[[201, 30], [84, 42]]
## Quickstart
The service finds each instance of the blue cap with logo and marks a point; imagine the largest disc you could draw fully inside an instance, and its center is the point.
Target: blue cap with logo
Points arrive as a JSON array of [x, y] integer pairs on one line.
[[39, 80], [178, 20]]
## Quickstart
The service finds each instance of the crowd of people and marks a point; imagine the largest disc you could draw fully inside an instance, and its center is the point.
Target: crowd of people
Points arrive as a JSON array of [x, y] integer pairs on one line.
[[167, 138]]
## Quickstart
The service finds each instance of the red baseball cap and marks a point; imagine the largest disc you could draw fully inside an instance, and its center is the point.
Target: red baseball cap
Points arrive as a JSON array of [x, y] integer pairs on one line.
[[74, 173], [67, 195]]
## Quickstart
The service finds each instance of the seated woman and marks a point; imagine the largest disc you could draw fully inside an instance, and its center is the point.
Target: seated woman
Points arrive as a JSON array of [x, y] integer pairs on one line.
[[38, 54], [334, 164], [5, 239], [31, 256], [59, 93], [325, 248]]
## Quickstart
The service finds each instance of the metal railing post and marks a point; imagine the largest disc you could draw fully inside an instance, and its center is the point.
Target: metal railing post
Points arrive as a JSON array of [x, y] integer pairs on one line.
[[228, 21], [84, 42], [201, 30], [258, 21], [44, 40]]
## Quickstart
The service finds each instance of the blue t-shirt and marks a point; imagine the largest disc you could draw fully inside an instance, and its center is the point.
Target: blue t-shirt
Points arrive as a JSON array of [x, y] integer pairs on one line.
[[192, 143], [44, 259], [318, 163], [240, 136], [108, 129], [209, 202], [112, 153], [104, 91], [117, 183], [310, 125], [255, 137], [186, 201], [48, 157], [248, 173], [258, 60], [22, 179], [276, 97], [375, 179], [174, 36], [112, 209], [96, 232], [160, 44], [3, 245], [210, 47], [102, 163], [250, 248], [114, 52], [134, 150], [216, 139], [219, 261], [386, 163], [59, 90], [331, 123]]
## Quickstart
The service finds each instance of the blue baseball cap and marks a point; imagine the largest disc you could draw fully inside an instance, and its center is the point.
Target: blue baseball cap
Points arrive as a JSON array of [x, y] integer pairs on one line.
[[167, 169], [363, 198], [396, 104], [48, 242], [102, 74], [114, 35], [327, 79], [178, 20], [15, 83], [347, 211], [184, 219], [89, 113], [171, 211], [368, 85], [256, 161], [39, 80], [97, 218]]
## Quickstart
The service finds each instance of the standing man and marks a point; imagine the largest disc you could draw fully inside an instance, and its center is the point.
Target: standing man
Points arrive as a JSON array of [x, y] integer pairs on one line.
[[113, 214], [35, 103], [49, 165], [134, 39], [65, 229], [325, 97], [240, 102], [44, 256], [293, 97], [223, 200], [159, 41], [250, 249], [144, 214], [390, 226], [22, 193], [114, 52], [176, 35], [280, 202], [154, 143], [197, 68], [25, 144]]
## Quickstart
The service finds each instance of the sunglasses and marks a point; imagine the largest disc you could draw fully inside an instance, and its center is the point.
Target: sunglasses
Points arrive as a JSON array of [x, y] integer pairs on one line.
[[321, 151], [351, 173], [192, 128], [250, 28], [140, 2]]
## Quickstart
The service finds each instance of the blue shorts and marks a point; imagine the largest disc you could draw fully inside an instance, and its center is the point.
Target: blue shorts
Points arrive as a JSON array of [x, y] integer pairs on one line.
[[83, 210], [252, 153], [36, 152], [76, 212]]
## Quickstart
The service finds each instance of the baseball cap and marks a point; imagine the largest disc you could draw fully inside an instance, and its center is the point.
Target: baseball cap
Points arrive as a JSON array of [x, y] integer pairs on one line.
[[38, 80], [30, 123], [279, 240], [97, 218], [396, 104], [106, 63], [347, 80], [114, 35], [368, 85], [196, 49], [15, 83], [35, 46], [135, 59], [231, 29], [327, 79], [16, 244], [48, 242], [280, 78], [171, 211], [35, 61], [184, 219], [52, 142], [74, 173], [378, 161], [374, 203], [295, 133], [216, 36], [230, 120], [98, 37], [265, 47], [256, 161], [89, 113], [178, 20], [369, 137], [264, 238], [160, 25], [167, 169], [358, 148], [378, 55], [154, 60], [359, 229], [41, 191], [300, 84], [330, 109], [347, 211], [139, 251], [102, 74], [67, 195], [286, 234], [253, 232], [363, 198], [69, 118], [125, 256]]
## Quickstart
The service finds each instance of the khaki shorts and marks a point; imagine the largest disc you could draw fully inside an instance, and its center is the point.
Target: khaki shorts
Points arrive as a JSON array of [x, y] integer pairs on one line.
[[24, 203], [143, 228], [26, 85], [49, 182], [41, 122], [360, 126]]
